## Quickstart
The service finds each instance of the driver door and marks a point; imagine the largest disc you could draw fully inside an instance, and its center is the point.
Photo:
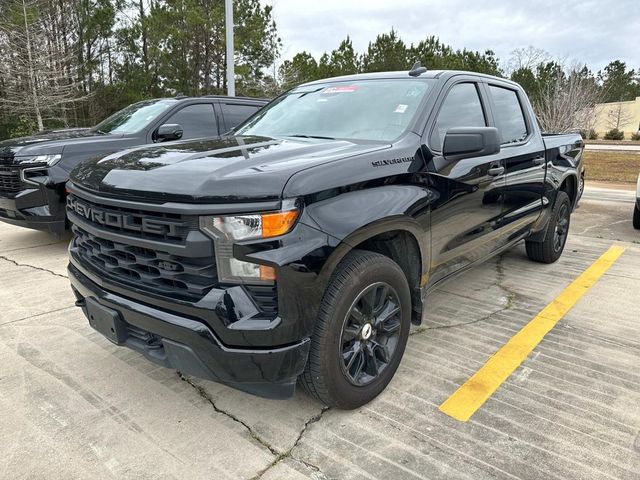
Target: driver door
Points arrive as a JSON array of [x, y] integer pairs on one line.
[[466, 216]]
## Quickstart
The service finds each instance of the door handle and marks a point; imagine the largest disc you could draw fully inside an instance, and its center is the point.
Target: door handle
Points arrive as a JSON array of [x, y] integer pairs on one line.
[[495, 171], [539, 161]]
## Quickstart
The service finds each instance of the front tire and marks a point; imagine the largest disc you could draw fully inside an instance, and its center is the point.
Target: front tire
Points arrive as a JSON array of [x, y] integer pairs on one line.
[[551, 247], [361, 332], [636, 217]]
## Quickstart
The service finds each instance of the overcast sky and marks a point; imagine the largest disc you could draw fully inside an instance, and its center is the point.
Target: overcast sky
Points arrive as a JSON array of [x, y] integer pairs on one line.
[[591, 32]]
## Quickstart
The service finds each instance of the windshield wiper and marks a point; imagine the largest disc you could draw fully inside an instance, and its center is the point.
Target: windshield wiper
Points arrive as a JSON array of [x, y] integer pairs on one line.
[[101, 132], [312, 136]]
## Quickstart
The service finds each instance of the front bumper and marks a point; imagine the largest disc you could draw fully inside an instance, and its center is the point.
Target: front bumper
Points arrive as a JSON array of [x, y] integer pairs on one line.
[[40, 207], [190, 347]]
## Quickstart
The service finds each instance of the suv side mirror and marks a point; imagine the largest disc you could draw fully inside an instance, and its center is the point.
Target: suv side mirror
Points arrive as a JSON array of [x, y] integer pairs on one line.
[[467, 142], [169, 131]]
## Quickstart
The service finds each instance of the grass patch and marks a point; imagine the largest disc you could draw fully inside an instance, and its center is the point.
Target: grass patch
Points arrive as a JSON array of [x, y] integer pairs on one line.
[[612, 166]]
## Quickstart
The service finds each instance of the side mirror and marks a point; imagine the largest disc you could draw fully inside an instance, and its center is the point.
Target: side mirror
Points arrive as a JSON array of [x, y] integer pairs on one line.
[[169, 131], [467, 142]]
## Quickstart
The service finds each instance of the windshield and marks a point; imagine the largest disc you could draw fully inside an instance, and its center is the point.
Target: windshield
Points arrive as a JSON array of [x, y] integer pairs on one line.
[[365, 110], [135, 117]]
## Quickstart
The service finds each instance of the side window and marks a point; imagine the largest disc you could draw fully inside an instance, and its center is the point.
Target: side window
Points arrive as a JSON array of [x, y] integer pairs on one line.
[[461, 108], [508, 114], [234, 113], [196, 121]]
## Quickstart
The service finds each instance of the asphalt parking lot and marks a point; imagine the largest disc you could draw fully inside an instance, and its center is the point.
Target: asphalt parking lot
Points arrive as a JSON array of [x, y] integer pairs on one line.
[[72, 405]]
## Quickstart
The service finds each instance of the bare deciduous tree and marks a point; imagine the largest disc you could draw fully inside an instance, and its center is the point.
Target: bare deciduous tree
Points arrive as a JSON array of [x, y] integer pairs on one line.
[[567, 102], [39, 80], [527, 58], [618, 116]]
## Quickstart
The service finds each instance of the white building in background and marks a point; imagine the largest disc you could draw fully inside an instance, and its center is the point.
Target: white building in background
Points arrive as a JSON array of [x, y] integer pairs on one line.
[[624, 116]]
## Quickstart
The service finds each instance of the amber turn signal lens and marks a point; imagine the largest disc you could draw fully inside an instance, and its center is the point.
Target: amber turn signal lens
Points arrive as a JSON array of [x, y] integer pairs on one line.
[[267, 273], [274, 224]]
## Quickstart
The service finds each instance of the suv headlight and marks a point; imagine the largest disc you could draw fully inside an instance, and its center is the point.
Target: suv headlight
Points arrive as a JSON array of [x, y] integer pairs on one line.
[[225, 230], [50, 160]]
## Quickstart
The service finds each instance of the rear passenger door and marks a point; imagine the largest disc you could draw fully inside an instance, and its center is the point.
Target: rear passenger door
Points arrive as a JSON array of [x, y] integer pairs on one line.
[[234, 114], [524, 158]]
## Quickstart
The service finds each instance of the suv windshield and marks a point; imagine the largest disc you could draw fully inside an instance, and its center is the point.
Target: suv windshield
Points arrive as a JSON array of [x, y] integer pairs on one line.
[[135, 117], [363, 109]]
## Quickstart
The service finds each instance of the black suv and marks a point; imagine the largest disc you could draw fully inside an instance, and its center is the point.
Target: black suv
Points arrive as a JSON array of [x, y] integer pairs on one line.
[[304, 245], [34, 170]]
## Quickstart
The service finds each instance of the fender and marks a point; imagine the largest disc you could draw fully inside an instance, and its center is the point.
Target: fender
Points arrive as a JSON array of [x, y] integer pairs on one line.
[[379, 210], [354, 217]]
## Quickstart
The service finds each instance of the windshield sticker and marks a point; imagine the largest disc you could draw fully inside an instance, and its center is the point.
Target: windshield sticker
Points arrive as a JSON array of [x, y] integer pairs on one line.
[[401, 108], [343, 89]]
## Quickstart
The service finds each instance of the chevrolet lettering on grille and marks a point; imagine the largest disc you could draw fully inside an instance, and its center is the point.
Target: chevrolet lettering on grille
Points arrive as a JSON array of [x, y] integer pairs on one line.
[[126, 221]]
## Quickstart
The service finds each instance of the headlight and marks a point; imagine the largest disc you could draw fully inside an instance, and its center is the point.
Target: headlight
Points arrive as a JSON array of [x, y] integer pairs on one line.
[[225, 230], [245, 227], [50, 160]]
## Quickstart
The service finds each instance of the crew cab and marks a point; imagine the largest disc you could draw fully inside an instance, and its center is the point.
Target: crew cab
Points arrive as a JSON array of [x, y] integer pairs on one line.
[[301, 247], [34, 170]]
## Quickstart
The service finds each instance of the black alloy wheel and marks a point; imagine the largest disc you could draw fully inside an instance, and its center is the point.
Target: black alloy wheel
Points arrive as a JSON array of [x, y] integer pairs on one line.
[[562, 228], [361, 331], [370, 333]]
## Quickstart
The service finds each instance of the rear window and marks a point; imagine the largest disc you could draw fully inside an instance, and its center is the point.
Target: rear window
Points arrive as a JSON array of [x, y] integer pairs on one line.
[[235, 113], [508, 115]]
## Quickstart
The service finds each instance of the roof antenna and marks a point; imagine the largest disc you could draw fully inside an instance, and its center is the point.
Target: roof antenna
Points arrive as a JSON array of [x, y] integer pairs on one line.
[[417, 69]]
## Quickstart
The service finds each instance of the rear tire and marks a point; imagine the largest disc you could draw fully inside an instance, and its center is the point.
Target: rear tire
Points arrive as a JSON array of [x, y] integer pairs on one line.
[[361, 332], [636, 217], [551, 247]]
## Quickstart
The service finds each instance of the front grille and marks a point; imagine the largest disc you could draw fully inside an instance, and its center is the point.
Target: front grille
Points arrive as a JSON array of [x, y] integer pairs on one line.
[[151, 270], [168, 227], [10, 181], [108, 243]]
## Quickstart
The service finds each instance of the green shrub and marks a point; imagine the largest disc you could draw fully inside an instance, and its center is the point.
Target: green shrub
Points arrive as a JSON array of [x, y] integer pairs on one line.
[[23, 127], [614, 134], [590, 134]]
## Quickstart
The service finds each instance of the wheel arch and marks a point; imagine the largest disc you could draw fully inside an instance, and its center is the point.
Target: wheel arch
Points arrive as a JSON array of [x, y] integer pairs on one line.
[[392, 220], [397, 239]]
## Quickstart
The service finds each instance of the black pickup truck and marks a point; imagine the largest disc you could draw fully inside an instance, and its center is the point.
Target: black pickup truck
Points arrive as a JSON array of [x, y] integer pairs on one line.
[[34, 170], [302, 246]]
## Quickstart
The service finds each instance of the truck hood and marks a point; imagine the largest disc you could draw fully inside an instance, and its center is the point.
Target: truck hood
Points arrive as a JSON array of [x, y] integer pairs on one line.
[[228, 169], [47, 142]]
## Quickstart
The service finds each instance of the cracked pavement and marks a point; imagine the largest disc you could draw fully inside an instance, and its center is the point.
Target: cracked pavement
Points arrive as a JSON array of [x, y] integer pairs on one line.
[[72, 405]]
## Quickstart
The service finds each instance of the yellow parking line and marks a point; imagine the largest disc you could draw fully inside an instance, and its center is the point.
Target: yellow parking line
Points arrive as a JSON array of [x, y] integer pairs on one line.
[[477, 390]]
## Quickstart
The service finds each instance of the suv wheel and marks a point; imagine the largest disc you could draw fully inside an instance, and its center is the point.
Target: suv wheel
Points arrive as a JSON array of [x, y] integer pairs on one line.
[[550, 249], [636, 217], [361, 332]]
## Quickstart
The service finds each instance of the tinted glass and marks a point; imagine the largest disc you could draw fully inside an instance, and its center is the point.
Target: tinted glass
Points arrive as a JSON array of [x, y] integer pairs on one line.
[[508, 114], [135, 117], [197, 121], [461, 108], [378, 110], [235, 114]]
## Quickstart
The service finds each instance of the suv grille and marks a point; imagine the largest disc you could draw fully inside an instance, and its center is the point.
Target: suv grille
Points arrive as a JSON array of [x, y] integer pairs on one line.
[[10, 181], [152, 270]]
